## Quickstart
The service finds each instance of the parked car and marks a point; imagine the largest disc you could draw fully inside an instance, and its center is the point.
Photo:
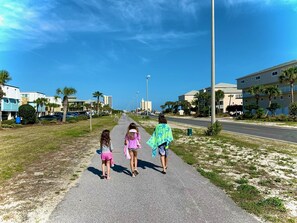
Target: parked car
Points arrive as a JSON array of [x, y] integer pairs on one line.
[[49, 118]]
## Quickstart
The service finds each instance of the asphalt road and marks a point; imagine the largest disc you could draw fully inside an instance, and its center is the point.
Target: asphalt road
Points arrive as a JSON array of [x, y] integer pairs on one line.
[[271, 132], [182, 195]]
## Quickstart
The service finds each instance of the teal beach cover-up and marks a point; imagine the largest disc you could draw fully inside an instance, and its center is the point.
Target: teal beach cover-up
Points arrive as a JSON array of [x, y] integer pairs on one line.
[[161, 135]]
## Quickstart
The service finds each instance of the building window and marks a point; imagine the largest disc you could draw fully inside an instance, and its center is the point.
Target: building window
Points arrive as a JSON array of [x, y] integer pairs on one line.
[[281, 97], [274, 73], [242, 81], [274, 98], [261, 99], [258, 78]]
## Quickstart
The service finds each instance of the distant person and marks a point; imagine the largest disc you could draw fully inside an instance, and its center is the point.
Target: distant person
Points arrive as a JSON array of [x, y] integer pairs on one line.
[[160, 141], [132, 141], [106, 153]]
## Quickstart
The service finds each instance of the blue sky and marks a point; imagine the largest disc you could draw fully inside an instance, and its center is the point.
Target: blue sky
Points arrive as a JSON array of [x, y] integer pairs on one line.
[[111, 45]]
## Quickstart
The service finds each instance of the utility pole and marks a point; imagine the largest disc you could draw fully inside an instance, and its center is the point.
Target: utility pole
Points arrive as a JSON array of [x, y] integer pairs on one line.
[[213, 71]]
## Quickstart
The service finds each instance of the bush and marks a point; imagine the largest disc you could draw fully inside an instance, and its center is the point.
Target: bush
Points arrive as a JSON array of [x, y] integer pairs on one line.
[[214, 129], [27, 112], [293, 111], [8, 122], [282, 118], [260, 113]]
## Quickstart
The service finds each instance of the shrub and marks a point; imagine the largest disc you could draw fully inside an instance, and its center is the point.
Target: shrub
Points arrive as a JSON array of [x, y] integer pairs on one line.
[[282, 118], [6, 126], [8, 122], [27, 112], [293, 111], [213, 129], [260, 113]]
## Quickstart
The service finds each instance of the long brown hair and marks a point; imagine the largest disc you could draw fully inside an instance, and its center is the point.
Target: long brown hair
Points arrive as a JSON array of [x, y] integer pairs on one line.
[[105, 138], [132, 126], [162, 119]]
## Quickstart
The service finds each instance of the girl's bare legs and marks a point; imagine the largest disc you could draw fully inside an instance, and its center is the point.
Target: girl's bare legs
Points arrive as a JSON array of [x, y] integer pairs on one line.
[[166, 162], [135, 162], [103, 168], [108, 169], [132, 162], [162, 158]]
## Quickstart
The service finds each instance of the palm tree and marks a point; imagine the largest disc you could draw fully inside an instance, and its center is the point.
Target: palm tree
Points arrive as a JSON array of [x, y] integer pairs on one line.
[[203, 103], [65, 92], [39, 102], [219, 95], [97, 94], [271, 91], [185, 105], [289, 76], [256, 91], [4, 78], [169, 105]]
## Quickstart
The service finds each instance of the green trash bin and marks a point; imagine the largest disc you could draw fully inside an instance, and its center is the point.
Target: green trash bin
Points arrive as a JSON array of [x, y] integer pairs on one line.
[[189, 132]]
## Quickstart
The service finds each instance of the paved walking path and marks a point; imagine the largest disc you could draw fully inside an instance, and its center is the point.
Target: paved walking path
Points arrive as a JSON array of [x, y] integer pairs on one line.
[[181, 195]]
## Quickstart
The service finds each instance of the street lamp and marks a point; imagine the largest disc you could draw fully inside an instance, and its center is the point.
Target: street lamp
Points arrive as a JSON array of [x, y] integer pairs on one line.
[[147, 78], [213, 105]]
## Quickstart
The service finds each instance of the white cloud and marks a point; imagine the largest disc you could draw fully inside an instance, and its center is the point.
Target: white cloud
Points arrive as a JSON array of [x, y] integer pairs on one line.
[[46, 21]]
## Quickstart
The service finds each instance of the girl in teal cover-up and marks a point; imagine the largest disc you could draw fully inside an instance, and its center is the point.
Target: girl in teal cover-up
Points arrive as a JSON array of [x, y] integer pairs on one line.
[[160, 140]]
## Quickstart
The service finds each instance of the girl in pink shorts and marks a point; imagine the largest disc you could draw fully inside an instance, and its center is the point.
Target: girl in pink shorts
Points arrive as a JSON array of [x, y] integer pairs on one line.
[[106, 153]]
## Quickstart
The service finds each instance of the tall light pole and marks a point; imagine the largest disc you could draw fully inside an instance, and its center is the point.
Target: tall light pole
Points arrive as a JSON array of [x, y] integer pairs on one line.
[[213, 71], [137, 93], [147, 78]]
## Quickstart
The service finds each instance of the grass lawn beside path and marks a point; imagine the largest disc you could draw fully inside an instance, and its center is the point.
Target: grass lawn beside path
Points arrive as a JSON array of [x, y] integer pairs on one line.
[[39, 162], [259, 175]]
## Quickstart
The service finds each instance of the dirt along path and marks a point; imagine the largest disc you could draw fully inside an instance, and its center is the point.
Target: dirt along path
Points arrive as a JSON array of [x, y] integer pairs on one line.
[[32, 195]]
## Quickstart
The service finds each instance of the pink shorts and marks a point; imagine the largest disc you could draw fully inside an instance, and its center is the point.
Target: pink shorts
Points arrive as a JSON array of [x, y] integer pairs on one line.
[[106, 156]]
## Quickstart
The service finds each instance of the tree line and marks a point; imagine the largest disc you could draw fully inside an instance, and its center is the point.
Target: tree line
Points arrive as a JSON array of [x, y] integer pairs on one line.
[[63, 93]]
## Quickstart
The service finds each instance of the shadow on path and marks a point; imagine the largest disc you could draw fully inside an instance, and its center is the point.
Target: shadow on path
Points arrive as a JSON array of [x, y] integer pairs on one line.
[[121, 169], [95, 171], [144, 165]]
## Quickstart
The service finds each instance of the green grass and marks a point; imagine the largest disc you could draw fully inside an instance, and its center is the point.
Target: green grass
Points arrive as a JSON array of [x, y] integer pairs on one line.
[[23, 146], [213, 157]]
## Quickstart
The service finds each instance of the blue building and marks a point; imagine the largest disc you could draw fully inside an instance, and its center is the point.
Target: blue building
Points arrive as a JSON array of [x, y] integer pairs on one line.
[[10, 102]]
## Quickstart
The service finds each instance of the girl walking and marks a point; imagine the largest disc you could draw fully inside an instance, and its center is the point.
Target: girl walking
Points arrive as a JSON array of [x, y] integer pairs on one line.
[[160, 141], [106, 153], [132, 141]]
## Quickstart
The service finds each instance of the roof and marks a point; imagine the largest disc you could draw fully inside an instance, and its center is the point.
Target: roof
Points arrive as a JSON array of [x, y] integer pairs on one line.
[[225, 85], [191, 93], [290, 63]]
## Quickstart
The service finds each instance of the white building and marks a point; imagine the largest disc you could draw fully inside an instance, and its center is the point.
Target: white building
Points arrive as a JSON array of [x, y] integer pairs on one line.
[[107, 100], [54, 100], [10, 102], [190, 96], [268, 76], [30, 98], [146, 105], [232, 96]]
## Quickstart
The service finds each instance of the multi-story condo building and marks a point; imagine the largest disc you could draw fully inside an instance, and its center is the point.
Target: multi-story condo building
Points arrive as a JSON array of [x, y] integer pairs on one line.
[[146, 105], [232, 96], [10, 102], [188, 96], [30, 98], [107, 100], [269, 76]]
